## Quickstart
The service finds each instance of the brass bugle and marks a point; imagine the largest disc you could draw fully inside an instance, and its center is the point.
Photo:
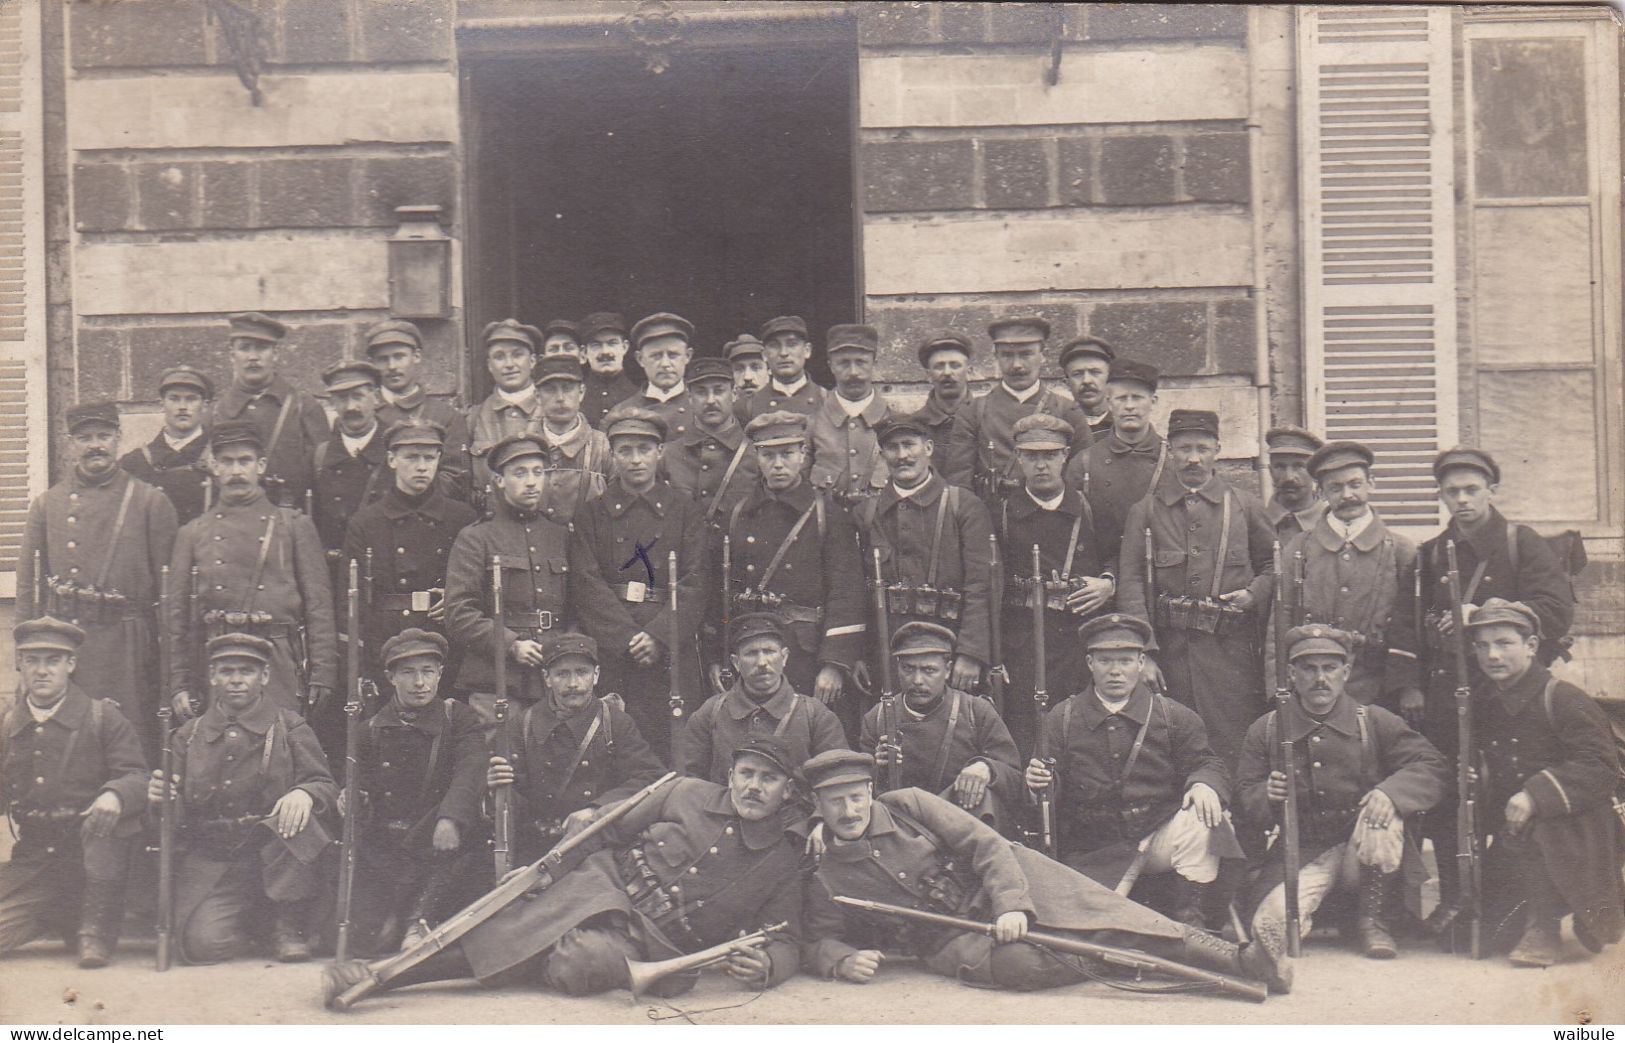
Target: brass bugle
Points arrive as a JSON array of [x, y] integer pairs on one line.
[[644, 974]]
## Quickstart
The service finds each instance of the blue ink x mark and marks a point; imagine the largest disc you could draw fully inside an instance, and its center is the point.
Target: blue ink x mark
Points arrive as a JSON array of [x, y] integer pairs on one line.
[[641, 553]]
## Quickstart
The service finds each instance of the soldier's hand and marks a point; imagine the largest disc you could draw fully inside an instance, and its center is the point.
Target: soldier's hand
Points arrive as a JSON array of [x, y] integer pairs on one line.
[[861, 677], [528, 653], [750, 965], [500, 773], [1520, 810], [966, 673], [1010, 927], [1412, 706], [319, 695], [887, 751], [102, 815], [1242, 599], [155, 787], [343, 804], [643, 649], [1205, 802], [1038, 776], [292, 812], [971, 785], [1093, 595], [860, 967], [1275, 787], [828, 685], [1152, 675], [446, 837], [1379, 809], [713, 676], [815, 840], [183, 705], [1447, 623], [437, 606], [576, 821]]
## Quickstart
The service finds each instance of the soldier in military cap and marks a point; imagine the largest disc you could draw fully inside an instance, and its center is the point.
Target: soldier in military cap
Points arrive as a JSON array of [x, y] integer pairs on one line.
[[945, 357], [986, 444], [1086, 363], [419, 769], [909, 848], [91, 552], [72, 780], [513, 407], [622, 593], [786, 345], [664, 345], [1362, 773], [712, 463], [947, 741], [173, 460], [402, 540], [563, 337], [1549, 801], [291, 423], [693, 866], [578, 456], [795, 553], [350, 465], [536, 582], [603, 341], [1127, 461], [1295, 505], [574, 751], [746, 357], [1212, 557], [260, 569], [845, 457], [933, 541], [395, 346], [761, 702], [251, 787], [1076, 577], [1138, 790]]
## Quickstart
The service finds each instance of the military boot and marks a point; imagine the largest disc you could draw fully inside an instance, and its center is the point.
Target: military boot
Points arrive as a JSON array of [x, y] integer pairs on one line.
[[1252, 961], [101, 916], [1371, 922], [1189, 897], [288, 934]]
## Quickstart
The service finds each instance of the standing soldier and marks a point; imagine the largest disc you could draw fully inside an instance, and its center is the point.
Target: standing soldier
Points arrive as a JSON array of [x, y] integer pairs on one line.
[[787, 346], [622, 592], [99, 538], [173, 460], [395, 346], [846, 460], [1077, 579], [1359, 576], [1087, 363], [260, 570], [1117, 471], [513, 407], [986, 445], [713, 463], [578, 460], [251, 787], [563, 337], [603, 340], [403, 540], [953, 744], [72, 780], [350, 467], [535, 557], [1294, 506], [1361, 773], [664, 344], [945, 357], [1140, 791], [1213, 555], [290, 422], [934, 554], [761, 704], [419, 772], [749, 363]]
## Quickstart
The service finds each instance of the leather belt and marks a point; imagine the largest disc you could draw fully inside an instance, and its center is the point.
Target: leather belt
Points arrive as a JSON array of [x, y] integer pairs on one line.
[[413, 601], [538, 620]]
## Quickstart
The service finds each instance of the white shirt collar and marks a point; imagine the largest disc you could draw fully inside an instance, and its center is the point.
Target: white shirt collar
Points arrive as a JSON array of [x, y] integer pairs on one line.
[[1349, 530], [169, 440], [788, 389], [518, 398], [1053, 503], [851, 408], [1112, 707], [392, 398], [904, 494], [353, 444], [1023, 396], [665, 396], [570, 432], [41, 716]]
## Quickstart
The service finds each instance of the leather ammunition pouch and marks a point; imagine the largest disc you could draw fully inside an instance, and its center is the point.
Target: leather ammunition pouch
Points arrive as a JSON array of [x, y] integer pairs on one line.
[[1204, 615], [219, 621], [1019, 592], [767, 601], [69, 599], [926, 602], [652, 899]]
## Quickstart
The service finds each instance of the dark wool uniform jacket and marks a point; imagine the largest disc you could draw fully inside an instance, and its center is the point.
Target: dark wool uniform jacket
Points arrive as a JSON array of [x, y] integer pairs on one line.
[[769, 399], [700, 460], [67, 761], [237, 765], [846, 456], [178, 473], [603, 393], [932, 759], [419, 407], [943, 424], [806, 727], [985, 437], [552, 782], [1023, 523], [1116, 476], [290, 457], [417, 768], [345, 483], [678, 411]]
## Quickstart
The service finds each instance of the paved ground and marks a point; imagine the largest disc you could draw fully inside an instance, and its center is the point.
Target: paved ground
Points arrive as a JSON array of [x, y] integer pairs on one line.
[[39, 986]]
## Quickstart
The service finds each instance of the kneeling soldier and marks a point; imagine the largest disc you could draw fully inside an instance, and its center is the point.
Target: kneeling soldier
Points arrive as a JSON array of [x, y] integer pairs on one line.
[[1361, 774], [71, 777], [911, 849], [1141, 791], [419, 774], [950, 742], [253, 784]]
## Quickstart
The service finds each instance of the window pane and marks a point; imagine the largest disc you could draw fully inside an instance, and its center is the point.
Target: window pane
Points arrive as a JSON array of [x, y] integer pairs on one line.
[[1529, 117], [1532, 283], [1541, 428]]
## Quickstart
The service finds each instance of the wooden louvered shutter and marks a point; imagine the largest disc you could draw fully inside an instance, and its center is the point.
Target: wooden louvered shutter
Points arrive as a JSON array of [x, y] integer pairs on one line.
[[23, 455], [1377, 202]]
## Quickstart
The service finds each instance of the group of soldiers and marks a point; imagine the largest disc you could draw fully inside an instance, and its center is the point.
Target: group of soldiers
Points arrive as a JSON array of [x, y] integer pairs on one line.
[[1015, 684]]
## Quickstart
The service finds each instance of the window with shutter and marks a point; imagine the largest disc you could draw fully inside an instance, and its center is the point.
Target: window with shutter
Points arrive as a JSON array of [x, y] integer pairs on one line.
[[1377, 205], [23, 451]]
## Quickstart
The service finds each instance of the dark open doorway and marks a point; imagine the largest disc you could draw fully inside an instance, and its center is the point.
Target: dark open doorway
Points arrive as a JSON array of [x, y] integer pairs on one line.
[[720, 189]]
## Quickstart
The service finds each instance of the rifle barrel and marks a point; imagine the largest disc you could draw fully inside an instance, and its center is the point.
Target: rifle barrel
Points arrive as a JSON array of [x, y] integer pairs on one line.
[[352, 743], [674, 639], [1468, 868], [998, 674], [888, 685], [1289, 848], [1040, 667], [502, 799], [166, 808]]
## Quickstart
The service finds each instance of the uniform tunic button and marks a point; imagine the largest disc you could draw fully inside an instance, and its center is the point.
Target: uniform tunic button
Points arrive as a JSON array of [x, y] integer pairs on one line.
[[660, 843], [72, 544], [729, 831], [1316, 764], [39, 780], [902, 875], [750, 539], [713, 851], [693, 870]]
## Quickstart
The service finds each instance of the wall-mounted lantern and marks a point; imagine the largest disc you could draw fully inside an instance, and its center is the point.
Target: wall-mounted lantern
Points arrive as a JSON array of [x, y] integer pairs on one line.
[[420, 265]]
